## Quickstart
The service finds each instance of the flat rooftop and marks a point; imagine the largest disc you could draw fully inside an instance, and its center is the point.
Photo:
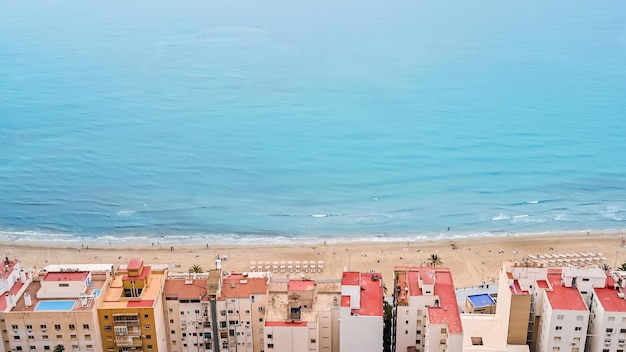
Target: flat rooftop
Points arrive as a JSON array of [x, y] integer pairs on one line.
[[20, 304], [113, 297], [328, 295], [564, 298]]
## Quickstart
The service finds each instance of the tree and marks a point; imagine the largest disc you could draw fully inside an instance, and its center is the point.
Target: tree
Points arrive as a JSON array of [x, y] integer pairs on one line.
[[622, 267], [196, 269], [434, 260], [58, 348]]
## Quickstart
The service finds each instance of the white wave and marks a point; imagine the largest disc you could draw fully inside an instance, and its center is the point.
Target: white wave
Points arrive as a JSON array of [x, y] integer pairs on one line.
[[521, 216], [125, 212], [500, 217], [319, 215], [532, 201]]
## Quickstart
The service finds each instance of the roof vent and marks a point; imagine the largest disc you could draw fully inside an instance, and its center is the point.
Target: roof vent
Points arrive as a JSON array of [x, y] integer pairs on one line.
[[188, 282]]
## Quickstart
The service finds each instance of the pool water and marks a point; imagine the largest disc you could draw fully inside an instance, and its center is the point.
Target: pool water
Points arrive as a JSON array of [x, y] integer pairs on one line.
[[55, 305]]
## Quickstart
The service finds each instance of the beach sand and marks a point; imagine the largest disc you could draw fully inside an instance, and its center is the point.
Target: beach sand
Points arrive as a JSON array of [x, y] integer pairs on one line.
[[465, 259]]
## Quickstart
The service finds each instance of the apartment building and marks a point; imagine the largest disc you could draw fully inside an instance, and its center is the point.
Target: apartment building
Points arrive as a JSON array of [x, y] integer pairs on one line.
[[607, 324], [57, 307], [130, 314], [302, 315], [426, 316], [361, 319], [216, 311]]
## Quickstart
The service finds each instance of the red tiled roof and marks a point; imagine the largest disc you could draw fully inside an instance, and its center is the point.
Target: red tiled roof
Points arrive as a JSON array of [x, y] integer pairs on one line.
[[350, 278], [448, 310], [542, 284], [608, 297], [517, 290], [140, 304], [66, 276], [295, 324], [345, 301], [414, 287], [135, 264], [301, 285], [240, 286], [144, 273], [371, 295], [428, 276], [14, 290], [182, 290], [564, 298]]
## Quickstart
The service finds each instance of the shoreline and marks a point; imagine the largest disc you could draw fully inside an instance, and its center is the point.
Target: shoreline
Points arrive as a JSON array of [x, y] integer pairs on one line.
[[472, 260]]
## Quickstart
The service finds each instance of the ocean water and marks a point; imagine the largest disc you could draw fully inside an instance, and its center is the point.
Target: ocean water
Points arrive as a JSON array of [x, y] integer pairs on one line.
[[282, 121]]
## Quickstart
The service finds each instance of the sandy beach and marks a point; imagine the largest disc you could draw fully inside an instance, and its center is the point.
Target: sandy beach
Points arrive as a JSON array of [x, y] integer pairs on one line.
[[471, 260]]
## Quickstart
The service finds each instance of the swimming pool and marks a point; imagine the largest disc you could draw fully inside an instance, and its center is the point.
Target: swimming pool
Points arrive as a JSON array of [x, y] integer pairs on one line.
[[54, 305]]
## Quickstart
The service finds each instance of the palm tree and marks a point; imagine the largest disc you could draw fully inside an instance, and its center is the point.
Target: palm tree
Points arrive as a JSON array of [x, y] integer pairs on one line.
[[196, 269], [622, 267], [434, 260], [58, 348]]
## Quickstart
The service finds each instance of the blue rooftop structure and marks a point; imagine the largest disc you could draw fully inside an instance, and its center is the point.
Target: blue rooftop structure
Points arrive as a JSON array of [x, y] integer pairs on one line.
[[481, 300]]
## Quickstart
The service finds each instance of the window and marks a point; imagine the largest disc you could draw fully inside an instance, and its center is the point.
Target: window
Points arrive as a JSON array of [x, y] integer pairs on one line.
[[579, 317], [171, 310], [222, 324], [172, 332], [64, 285], [230, 311], [44, 337], [555, 348], [147, 316], [43, 326], [197, 311], [406, 332], [46, 348], [148, 347], [148, 337], [29, 327], [73, 337], [261, 309], [270, 345], [578, 328], [270, 336], [106, 317], [31, 337], [609, 330], [557, 338], [223, 313], [442, 341], [59, 337], [57, 326], [444, 330], [14, 327], [146, 327], [575, 349], [89, 347], [18, 348], [86, 326], [313, 340], [560, 317], [559, 328], [72, 327], [611, 318], [107, 327], [16, 337], [182, 313], [87, 337]]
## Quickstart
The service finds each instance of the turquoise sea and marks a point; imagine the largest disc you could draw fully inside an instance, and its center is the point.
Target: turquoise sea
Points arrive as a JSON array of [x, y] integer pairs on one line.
[[283, 121]]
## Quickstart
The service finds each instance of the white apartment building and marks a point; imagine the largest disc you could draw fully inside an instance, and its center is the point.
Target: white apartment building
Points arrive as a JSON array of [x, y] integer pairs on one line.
[[564, 316], [361, 314], [607, 325], [426, 315], [56, 308]]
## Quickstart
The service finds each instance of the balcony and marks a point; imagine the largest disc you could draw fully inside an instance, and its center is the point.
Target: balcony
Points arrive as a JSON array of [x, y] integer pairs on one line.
[[128, 341]]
